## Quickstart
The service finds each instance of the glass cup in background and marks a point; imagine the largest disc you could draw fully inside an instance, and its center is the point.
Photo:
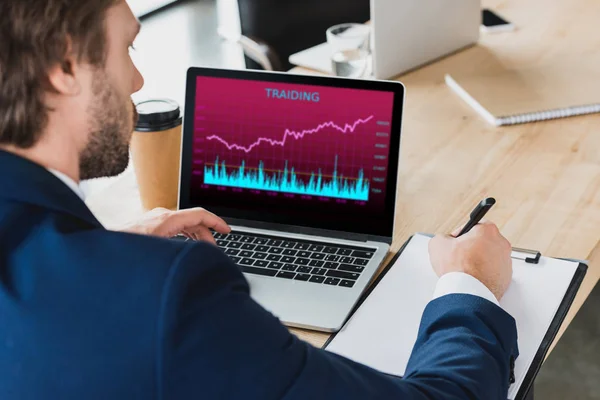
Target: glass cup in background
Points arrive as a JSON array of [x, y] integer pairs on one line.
[[350, 45]]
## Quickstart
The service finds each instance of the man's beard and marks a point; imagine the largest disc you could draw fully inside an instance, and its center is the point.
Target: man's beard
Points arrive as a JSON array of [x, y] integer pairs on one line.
[[107, 152]]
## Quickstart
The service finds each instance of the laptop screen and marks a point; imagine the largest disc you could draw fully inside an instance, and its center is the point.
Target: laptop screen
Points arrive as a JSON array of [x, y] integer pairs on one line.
[[302, 154]]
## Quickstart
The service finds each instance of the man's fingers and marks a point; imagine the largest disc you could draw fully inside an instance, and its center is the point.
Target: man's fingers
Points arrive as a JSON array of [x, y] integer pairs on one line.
[[484, 222], [201, 217], [195, 218], [205, 235], [439, 242], [488, 227], [189, 235], [456, 231], [193, 223], [438, 246], [202, 234]]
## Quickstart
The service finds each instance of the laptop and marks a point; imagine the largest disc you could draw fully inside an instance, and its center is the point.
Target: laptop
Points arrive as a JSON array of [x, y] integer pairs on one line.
[[304, 169], [408, 34]]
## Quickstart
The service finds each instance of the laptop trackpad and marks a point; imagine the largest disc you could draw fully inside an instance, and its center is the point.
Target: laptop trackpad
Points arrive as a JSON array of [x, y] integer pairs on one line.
[[303, 304]]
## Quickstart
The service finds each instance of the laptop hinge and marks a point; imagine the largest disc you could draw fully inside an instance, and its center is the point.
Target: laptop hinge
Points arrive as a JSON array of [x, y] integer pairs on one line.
[[356, 237]]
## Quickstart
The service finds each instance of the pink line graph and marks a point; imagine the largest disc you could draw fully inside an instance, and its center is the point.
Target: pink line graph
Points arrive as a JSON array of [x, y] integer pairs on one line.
[[288, 133]]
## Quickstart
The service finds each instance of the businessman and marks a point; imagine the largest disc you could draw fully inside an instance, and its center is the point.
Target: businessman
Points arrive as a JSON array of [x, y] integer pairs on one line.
[[87, 313]]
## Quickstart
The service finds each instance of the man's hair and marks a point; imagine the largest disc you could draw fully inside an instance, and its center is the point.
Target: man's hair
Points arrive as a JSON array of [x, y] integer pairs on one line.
[[35, 36]]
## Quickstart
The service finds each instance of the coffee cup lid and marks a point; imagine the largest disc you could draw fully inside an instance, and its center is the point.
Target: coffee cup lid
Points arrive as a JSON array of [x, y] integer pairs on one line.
[[158, 115]]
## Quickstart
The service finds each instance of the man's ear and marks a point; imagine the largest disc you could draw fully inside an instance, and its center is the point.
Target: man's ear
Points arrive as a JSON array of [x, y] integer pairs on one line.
[[63, 76]]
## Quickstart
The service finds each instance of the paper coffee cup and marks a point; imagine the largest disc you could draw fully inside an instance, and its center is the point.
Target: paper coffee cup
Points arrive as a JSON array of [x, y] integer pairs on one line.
[[156, 153]]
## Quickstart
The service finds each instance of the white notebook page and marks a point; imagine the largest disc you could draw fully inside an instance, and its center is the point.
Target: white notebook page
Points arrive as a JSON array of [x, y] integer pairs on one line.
[[382, 332]]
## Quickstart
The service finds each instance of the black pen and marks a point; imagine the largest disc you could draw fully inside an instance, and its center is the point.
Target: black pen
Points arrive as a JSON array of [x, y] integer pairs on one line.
[[477, 214]]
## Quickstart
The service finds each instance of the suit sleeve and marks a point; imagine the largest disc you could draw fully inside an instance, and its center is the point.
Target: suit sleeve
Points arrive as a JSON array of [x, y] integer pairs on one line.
[[215, 342]]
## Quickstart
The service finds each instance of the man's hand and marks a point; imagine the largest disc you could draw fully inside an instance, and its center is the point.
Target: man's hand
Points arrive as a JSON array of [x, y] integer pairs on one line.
[[482, 253], [193, 223]]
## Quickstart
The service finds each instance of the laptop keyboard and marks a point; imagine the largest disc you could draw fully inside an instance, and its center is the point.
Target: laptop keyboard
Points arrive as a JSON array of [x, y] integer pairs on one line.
[[301, 260]]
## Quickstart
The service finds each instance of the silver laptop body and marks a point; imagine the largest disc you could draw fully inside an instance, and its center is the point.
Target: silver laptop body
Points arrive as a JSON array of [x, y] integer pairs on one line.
[[410, 33], [235, 145]]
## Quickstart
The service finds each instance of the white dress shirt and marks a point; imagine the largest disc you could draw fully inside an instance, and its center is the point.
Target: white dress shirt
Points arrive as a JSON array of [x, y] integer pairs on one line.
[[461, 283], [452, 283], [69, 182]]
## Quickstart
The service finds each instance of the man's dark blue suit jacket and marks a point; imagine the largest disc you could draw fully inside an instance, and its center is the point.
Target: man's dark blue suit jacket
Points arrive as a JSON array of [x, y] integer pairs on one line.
[[86, 313]]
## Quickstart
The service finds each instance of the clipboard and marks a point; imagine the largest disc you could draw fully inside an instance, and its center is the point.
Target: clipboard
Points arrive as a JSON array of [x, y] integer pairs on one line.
[[530, 257]]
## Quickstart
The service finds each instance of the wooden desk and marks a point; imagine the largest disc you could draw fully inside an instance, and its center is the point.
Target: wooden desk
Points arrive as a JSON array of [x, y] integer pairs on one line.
[[545, 176]]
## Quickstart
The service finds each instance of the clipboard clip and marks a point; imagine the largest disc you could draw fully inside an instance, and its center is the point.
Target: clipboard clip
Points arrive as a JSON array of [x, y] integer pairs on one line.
[[529, 256]]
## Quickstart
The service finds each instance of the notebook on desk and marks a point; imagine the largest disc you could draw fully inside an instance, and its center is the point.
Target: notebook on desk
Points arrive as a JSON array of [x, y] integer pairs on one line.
[[540, 93], [384, 327]]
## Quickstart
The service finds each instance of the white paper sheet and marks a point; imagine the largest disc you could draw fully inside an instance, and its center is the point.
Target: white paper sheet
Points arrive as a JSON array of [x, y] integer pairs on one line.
[[382, 333]]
